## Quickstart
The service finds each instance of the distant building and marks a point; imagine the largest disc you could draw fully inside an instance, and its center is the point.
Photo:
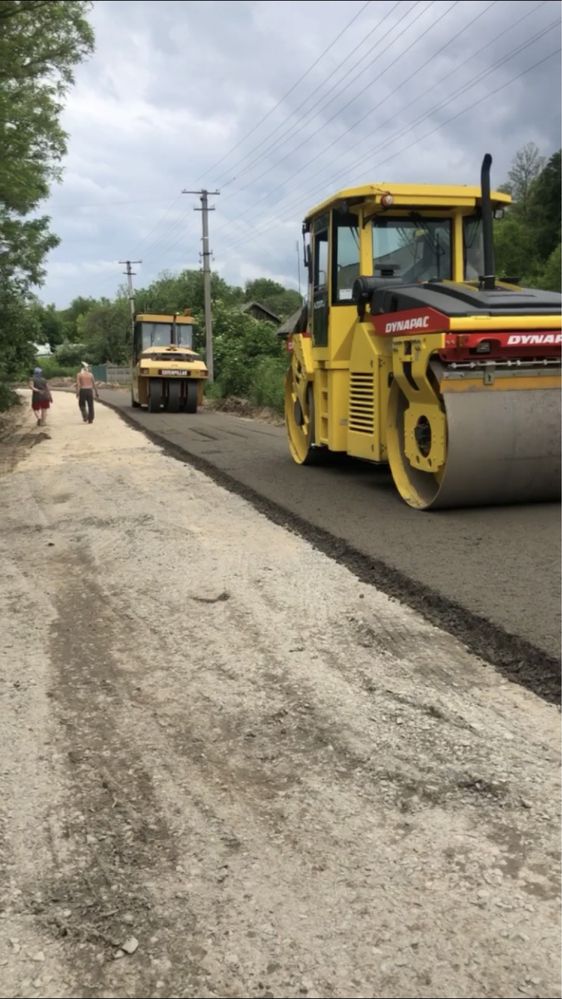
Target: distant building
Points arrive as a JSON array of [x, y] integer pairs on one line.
[[42, 350], [295, 323], [261, 312]]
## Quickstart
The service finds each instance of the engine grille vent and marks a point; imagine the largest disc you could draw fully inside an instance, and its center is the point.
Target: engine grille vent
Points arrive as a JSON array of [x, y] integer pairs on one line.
[[361, 402]]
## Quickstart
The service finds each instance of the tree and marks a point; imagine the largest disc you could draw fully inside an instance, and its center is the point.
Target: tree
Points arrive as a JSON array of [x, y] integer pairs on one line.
[[106, 332], [40, 43], [72, 316], [282, 301], [545, 207], [70, 354], [526, 166], [50, 324], [17, 349], [240, 344], [174, 293], [515, 249], [550, 276], [527, 239]]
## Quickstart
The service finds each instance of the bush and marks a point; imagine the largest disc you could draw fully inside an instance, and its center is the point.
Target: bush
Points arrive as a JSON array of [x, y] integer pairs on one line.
[[52, 368], [70, 354], [7, 397], [549, 277], [267, 388]]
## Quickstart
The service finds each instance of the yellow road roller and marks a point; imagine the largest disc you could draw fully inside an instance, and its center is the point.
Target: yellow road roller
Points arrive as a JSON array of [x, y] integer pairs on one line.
[[410, 351], [166, 372]]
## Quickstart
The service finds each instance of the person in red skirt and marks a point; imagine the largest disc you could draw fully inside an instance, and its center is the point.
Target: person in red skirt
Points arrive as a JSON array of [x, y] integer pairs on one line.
[[41, 397]]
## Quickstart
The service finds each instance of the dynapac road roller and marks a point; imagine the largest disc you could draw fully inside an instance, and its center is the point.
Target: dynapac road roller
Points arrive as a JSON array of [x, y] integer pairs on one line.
[[166, 371], [411, 352]]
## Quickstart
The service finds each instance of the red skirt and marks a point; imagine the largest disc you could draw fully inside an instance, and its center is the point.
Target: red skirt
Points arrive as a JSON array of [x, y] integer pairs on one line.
[[40, 404]]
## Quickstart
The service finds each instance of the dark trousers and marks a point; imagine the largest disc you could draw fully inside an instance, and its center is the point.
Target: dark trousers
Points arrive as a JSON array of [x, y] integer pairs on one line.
[[86, 401]]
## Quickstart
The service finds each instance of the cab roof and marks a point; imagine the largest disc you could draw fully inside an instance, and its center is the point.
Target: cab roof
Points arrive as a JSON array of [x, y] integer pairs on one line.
[[410, 196], [170, 348], [156, 317]]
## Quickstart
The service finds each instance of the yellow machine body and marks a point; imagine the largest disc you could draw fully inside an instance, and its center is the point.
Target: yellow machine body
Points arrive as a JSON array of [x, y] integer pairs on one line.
[[166, 372], [405, 356]]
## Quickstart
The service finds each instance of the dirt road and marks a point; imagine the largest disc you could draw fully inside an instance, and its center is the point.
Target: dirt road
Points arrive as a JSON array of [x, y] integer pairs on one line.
[[230, 768]]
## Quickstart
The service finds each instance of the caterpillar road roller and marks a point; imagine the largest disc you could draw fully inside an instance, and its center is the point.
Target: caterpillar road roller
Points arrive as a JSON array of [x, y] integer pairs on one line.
[[410, 352], [166, 371]]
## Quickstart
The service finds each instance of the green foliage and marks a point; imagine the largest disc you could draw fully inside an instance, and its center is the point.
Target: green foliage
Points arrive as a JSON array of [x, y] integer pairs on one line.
[[240, 344], [106, 332], [527, 239], [50, 324], [550, 276], [282, 301], [525, 168], [70, 354], [268, 385], [19, 330], [173, 293], [52, 368], [7, 397], [514, 247], [40, 44], [545, 207]]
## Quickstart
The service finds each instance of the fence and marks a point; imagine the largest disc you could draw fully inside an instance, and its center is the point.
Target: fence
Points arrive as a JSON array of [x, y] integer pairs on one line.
[[111, 373]]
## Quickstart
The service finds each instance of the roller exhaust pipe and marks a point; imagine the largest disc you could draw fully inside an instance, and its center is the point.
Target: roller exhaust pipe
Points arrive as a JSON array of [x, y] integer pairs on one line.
[[488, 281]]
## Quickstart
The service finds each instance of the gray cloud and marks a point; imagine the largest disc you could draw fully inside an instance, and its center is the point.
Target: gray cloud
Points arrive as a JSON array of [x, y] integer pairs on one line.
[[173, 86]]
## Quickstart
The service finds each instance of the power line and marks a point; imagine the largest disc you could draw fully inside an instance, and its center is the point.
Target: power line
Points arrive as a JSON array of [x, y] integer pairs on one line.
[[437, 128], [176, 228], [159, 220], [436, 107], [291, 89], [416, 40], [177, 225], [320, 86], [367, 86], [163, 243], [466, 86]]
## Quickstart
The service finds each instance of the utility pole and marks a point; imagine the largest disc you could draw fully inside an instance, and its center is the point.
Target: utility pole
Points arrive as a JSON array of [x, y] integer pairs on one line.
[[130, 274], [204, 195]]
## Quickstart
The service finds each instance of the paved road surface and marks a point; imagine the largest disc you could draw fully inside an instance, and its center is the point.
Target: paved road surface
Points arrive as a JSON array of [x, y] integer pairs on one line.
[[498, 563]]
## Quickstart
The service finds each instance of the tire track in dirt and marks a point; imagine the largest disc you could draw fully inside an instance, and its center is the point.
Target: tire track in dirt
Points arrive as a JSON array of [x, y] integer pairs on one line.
[[117, 838]]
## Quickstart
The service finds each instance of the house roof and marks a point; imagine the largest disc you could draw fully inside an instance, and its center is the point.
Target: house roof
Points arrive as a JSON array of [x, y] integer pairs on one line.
[[262, 308]]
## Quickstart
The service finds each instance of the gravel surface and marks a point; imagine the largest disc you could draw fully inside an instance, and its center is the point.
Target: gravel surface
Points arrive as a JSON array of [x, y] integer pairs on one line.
[[231, 768]]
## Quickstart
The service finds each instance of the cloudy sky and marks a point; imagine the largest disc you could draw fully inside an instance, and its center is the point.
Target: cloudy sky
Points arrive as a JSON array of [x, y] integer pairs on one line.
[[277, 105]]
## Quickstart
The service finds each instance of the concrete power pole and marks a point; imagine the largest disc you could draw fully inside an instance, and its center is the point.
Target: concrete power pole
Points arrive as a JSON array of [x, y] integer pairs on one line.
[[204, 195], [130, 274]]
